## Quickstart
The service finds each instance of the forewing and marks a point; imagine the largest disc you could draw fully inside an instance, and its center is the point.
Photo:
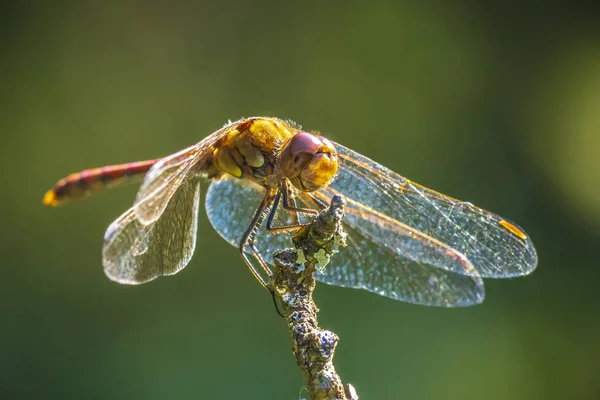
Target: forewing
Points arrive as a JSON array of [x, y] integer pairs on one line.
[[163, 179], [161, 182], [135, 252], [363, 264], [387, 208]]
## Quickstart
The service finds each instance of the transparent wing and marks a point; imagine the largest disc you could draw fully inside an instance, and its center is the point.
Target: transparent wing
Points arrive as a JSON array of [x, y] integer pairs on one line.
[[161, 182], [157, 236], [163, 179], [135, 252], [364, 264], [388, 208]]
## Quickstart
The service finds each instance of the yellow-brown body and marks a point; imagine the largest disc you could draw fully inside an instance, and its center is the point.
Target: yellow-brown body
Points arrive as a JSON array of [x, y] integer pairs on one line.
[[262, 150], [250, 150], [247, 149]]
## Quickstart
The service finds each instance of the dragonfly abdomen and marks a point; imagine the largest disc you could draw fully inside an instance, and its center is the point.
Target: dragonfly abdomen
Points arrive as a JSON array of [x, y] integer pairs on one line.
[[89, 181]]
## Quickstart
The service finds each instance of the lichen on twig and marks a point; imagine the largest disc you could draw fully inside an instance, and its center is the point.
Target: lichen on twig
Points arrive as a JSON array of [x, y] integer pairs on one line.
[[293, 283]]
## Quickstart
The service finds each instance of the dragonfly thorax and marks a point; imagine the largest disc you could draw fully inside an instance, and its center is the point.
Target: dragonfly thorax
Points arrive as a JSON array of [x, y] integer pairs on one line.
[[250, 150], [266, 150]]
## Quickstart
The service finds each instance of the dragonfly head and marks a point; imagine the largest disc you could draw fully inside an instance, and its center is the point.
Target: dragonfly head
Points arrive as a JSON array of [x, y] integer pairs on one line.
[[309, 161]]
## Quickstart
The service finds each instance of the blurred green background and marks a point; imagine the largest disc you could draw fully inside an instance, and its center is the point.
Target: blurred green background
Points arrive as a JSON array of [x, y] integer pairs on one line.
[[497, 103]]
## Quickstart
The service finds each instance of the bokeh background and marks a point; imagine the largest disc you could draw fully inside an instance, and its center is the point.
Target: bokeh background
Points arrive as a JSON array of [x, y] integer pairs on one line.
[[497, 103]]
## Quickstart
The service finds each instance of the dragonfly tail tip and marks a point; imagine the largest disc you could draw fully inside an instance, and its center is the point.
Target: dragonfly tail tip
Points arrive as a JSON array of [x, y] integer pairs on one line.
[[50, 198]]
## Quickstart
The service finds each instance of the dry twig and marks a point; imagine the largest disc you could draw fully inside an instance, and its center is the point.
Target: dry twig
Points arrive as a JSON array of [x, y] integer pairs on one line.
[[293, 283]]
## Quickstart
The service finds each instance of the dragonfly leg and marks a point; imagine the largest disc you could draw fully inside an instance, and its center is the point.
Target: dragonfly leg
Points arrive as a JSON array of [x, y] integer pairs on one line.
[[253, 270], [292, 199], [292, 207], [316, 201], [293, 210], [249, 237]]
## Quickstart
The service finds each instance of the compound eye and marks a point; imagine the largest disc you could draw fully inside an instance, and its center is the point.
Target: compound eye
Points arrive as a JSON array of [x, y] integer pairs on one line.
[[304, 142], [297, 153]]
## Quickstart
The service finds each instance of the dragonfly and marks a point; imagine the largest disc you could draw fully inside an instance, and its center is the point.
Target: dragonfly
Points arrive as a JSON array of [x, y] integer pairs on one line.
[[268, 177]]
